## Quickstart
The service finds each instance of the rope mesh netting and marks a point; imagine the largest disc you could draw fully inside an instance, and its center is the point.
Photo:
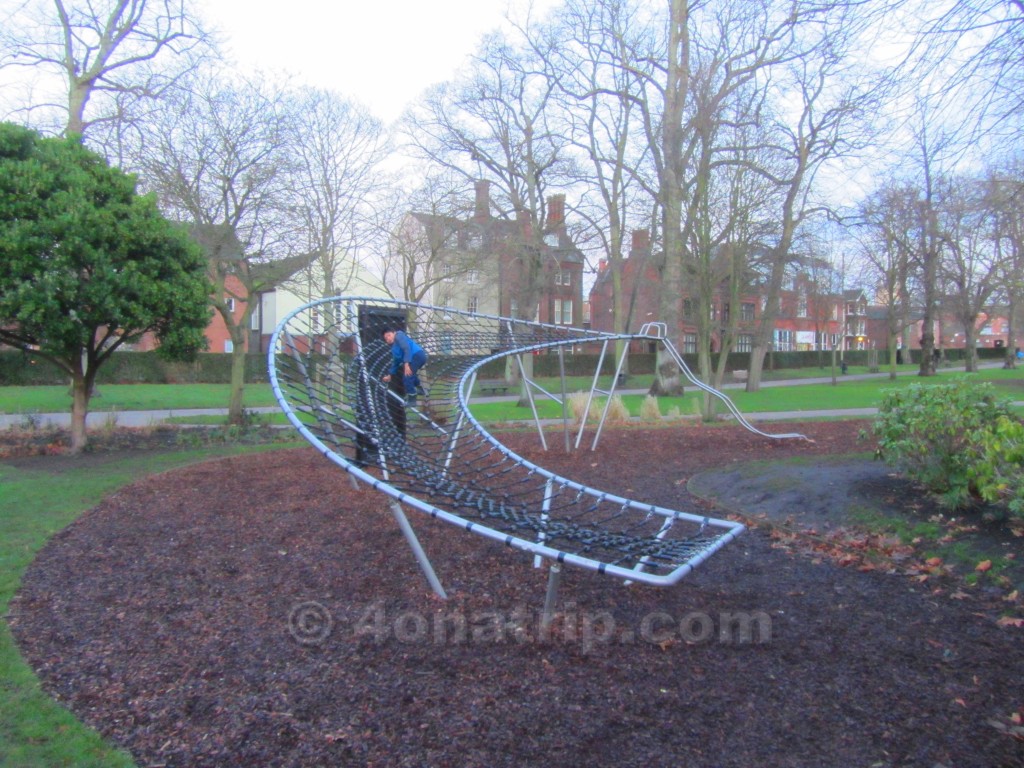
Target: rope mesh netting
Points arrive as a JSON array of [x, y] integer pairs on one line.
[[327, 363]]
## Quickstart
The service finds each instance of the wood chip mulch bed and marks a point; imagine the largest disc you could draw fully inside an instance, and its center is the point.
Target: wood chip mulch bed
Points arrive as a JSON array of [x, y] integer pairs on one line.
[[261, 611]]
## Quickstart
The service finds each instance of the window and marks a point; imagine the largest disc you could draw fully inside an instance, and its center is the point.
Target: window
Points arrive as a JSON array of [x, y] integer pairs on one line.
[[725, 312], [446, 302], [690, 344], [476, 240], [314, 322], [747, 311], [563, 312], [688, 309], [785, 341], [801, 304], [230, 302], [744, 343], [229, 346], [473, 276], [563, 278], [447, 273], [471, 305], [513, 307]]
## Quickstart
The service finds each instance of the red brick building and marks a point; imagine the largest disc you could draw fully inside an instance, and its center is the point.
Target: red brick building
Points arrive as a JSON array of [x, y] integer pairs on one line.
[[807, 318]]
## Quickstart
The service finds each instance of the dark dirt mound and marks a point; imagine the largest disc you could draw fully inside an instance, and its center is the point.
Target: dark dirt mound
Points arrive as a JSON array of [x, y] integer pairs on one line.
[[260, 610]]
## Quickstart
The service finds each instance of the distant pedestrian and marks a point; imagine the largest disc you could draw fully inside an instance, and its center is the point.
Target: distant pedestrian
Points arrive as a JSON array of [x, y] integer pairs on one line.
[[407, 357]]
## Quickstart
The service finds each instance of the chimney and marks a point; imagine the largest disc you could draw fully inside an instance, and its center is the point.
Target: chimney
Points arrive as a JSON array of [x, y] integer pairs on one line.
[[483, 199], [641, 244], [556, 212]]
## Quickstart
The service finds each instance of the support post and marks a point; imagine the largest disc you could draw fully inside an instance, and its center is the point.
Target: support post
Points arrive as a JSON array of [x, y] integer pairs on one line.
[[417, 549], [551, 598]]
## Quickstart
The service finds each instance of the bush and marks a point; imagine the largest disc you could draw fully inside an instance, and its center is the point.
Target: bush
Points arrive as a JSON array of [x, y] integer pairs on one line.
[[997, 465], [650, 411], [932, 434]]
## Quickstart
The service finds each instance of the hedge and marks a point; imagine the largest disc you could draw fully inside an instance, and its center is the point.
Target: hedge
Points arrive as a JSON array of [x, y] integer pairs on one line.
[[25, 369], [19, 368]]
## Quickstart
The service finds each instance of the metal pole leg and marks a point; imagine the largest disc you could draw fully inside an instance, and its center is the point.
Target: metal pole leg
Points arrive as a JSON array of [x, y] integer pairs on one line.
[[414, 544], [554, 580]]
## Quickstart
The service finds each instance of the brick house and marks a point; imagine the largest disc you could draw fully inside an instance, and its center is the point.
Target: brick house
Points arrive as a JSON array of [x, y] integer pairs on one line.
[[481, 263], [807, 318]]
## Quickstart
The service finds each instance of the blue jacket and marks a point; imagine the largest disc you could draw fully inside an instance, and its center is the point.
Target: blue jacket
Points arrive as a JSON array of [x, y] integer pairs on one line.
[[402, 351]]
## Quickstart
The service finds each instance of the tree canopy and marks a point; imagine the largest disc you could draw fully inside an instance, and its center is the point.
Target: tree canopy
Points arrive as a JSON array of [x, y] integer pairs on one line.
[[87, 265]]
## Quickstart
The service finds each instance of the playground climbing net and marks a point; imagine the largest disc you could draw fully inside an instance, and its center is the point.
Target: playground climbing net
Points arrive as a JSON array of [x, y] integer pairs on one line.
[[327, 366]]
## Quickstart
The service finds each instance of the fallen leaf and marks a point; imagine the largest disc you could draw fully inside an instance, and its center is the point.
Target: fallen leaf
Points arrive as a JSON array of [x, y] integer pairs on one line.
[[1010, 621], [983, 566]]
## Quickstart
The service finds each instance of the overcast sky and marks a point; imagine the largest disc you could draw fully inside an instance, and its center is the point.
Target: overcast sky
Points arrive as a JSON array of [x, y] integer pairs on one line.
[[383, 53]]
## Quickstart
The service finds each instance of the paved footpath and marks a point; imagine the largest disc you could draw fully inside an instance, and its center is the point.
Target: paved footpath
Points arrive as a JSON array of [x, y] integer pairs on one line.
[[98, 419]]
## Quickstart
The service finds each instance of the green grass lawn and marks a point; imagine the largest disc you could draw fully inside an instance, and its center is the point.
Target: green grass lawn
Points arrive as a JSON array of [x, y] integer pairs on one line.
[[35, 731], [131, 397], [848, 392]]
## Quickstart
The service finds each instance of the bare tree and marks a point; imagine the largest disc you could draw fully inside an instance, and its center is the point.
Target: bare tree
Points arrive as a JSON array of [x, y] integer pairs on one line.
[[494, 125], [886, 223], [335, 149], [111, 54], [590, 51], [1005, 191], [218, 160], [972, 48], [826, 121], [420, 232], [970, 266]]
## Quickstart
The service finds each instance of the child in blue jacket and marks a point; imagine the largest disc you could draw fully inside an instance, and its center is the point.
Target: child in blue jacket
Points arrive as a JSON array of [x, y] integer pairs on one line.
[[407, 357]]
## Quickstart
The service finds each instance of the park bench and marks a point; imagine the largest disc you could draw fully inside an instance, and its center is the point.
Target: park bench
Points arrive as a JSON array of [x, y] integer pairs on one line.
[[493, 387]]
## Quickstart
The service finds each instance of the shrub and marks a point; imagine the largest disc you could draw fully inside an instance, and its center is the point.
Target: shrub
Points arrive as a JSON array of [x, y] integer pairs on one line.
[[929, 433], [650, 410], [577, 404], [997, 465], [618, 413]]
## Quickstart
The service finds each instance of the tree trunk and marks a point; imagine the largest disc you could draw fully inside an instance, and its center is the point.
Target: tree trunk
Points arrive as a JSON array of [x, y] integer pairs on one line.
[[79, 411], [236, 409], [893, 342], [1010, 359], [970, 349]]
